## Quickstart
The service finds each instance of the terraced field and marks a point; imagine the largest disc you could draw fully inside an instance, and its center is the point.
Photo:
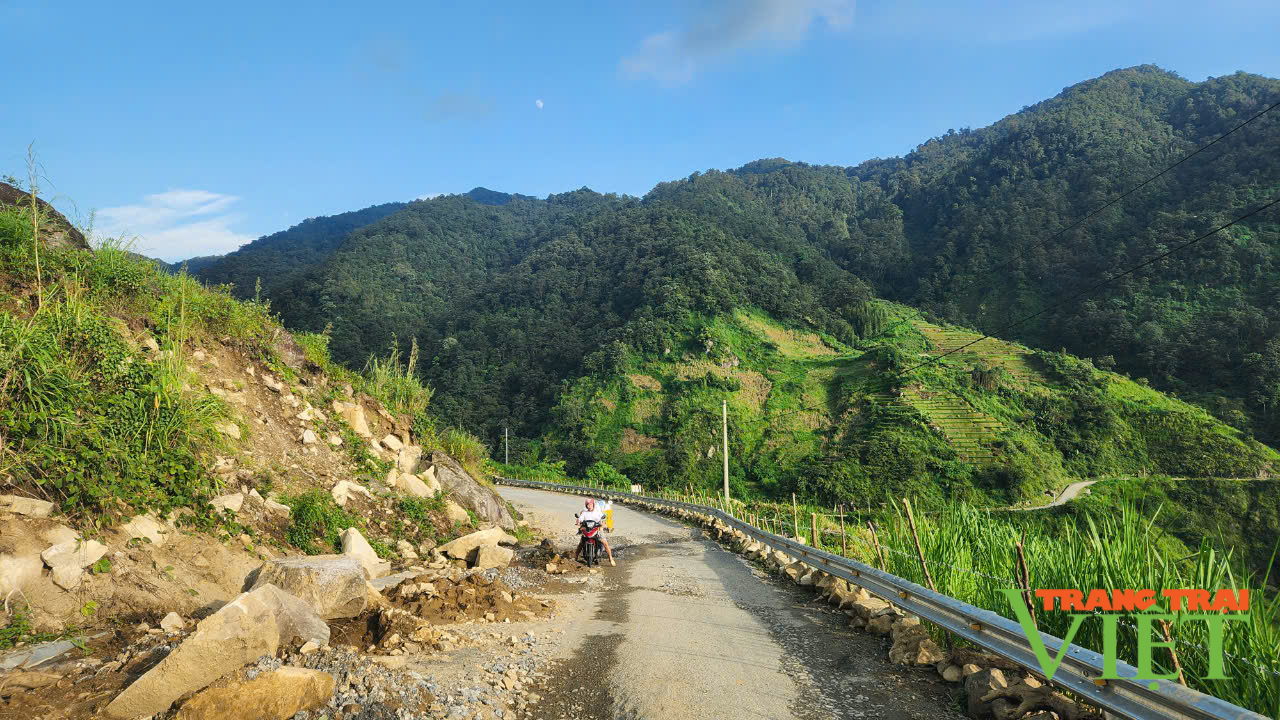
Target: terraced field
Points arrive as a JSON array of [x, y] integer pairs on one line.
[[1014, 358], [969, 430]]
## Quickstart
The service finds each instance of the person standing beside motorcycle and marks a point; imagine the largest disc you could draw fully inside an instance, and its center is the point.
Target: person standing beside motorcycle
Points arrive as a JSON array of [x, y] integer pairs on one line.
[[591, 513]]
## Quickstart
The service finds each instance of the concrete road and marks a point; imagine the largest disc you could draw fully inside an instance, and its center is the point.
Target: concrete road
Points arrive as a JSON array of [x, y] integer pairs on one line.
[[686, 629]]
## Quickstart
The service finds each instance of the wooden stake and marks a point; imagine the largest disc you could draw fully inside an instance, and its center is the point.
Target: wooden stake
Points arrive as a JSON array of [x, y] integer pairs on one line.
[[813, 529], [844, 542], [1168, 637], [875, 540], [919, 550], [1024, 579]]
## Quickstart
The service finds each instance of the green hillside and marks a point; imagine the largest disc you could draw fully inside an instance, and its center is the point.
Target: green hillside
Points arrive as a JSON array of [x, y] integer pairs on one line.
[[1000, 424]]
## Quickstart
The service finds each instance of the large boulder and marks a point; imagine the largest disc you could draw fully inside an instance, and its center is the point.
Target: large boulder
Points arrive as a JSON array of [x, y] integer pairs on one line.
[[354, 545], [333, 585], [463, 547], [255, 624], [469, 492], [277, 695], [55, 230], [492, 556]]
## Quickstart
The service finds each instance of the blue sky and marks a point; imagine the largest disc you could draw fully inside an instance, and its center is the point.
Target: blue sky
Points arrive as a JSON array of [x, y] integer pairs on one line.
[[195, 128]]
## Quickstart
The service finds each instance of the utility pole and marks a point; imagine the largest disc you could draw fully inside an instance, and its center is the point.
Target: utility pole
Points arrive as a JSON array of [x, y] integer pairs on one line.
[[724, 414], [506, 445]]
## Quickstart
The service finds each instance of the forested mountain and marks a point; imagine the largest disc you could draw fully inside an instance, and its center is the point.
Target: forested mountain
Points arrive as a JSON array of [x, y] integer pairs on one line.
[[274, 259], [510, 297]]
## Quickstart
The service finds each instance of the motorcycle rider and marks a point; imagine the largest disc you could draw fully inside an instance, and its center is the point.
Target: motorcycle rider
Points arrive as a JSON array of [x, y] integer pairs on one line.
[[591, 513]]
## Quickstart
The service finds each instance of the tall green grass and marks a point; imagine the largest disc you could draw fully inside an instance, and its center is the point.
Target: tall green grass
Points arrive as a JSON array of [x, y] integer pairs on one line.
[[971, 556], [89, 416]]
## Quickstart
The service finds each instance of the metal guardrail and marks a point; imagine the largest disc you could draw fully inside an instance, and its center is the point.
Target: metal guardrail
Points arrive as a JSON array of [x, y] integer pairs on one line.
[[1128, 696]]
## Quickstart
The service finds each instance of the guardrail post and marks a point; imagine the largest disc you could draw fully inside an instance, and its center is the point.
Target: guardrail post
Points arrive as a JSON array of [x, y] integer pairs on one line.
[[813, 529], [795, 517], [844, 543]]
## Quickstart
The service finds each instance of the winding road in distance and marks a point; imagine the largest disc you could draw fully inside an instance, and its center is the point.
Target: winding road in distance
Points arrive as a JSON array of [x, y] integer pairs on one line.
[[686, 629]]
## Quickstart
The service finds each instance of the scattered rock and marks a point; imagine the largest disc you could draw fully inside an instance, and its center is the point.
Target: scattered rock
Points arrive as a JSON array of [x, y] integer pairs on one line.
[[25, 506], [232, 502], [344, 490], [392, 443], [67, 577], [229, 429], [172, 622], [145, 527], [277, 695], [256, 623], [335, 439], [79, 554], [309, 437], [277, 508], [969, 669], [354, 545], [406, 551]]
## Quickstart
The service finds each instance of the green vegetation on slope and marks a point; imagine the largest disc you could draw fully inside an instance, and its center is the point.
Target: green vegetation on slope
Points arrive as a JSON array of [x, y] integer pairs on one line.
[[839, 424]]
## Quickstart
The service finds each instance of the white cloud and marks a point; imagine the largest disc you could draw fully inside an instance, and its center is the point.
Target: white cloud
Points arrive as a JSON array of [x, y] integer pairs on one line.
[[174, 225], [428, 196], [673, 57], [538, 102]]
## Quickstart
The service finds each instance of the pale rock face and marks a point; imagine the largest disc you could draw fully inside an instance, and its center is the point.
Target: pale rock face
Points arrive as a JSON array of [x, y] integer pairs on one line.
[[412, 485], [277, 695], [29, 507], [232, 502], [354, 545], [77, 554], [463, 547], [332, 585], [344, 490], [456, 515], [353, 414], [408, 458], [145, 527]]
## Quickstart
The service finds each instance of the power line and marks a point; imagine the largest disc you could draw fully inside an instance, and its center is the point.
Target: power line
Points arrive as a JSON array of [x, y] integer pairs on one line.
[[1095, 286], [1113, 201]]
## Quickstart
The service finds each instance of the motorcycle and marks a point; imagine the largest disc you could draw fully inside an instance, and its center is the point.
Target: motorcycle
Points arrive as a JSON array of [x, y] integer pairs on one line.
[[589, 531]]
